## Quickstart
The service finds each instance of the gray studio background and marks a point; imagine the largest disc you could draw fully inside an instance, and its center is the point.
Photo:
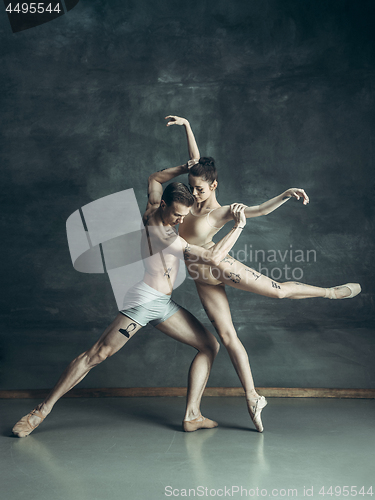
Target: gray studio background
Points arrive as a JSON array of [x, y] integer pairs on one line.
[[279, 92]]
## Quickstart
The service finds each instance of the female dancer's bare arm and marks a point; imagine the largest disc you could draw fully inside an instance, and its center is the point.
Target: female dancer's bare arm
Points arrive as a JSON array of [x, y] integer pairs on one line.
[[192, 143], [221, 215]]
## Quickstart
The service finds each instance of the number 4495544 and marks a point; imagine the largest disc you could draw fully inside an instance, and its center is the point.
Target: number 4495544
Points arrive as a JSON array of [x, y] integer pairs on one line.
[[33, 8], [345, 491]]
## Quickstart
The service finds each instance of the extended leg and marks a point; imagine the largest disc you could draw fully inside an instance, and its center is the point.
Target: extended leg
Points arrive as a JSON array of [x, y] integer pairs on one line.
[[236, 274], [185, 328], [215, 303], [114, 337]]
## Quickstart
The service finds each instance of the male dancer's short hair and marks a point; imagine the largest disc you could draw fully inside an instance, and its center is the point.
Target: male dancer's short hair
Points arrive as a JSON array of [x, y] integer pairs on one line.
[[179, 193], [205, 169]]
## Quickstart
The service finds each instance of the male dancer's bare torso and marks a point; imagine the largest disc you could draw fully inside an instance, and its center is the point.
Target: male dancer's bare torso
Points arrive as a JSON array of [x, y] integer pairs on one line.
[[161, 254]]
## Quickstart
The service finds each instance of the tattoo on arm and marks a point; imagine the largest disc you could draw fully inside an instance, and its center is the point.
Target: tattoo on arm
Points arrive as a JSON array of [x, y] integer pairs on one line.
[[187, 251], [130, 328]]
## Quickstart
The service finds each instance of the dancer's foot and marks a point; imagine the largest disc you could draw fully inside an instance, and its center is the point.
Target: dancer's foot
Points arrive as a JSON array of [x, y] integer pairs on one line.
[[29, 422], [200, 422], [255, 407], [347, 291]]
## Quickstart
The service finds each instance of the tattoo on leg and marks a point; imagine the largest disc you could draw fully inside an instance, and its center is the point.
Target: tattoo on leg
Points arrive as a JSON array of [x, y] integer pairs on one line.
[[130, 328], [236, 278], [275, 285], [228, 259], [256, 275]]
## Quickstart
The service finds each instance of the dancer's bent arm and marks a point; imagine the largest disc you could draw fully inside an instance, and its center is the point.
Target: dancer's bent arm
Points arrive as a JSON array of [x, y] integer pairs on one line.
[[219, 251], [155, 180]]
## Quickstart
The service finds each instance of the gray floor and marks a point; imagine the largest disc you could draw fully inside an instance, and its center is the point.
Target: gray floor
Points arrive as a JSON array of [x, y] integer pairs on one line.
[[134, 448]]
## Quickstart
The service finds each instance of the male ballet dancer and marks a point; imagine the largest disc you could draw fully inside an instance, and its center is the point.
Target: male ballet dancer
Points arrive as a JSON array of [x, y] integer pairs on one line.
[[150, 301]]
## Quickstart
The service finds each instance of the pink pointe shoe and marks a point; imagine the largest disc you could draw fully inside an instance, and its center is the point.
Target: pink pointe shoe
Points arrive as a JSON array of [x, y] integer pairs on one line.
[[23, 427]]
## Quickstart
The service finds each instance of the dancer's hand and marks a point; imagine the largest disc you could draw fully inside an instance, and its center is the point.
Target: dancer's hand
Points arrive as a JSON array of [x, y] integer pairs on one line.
[[237, 211], [175, 120], [297, 193], [191, 163]]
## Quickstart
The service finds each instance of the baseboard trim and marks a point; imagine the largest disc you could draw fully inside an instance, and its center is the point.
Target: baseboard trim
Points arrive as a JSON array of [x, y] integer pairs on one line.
[[132, 392]]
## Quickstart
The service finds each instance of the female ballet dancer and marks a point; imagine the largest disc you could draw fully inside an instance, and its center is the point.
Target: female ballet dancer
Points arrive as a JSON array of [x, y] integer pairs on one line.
[[205, 219]]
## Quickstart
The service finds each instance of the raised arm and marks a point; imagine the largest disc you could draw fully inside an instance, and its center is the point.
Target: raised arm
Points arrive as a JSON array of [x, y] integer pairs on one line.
[[192, 143], [155, 181]]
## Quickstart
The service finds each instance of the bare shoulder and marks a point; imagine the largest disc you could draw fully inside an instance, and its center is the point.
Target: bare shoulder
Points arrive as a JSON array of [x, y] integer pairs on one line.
[[149, 213], [221, 215]]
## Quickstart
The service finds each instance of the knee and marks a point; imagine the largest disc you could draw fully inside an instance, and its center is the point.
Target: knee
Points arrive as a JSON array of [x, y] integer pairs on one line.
[[279, 291], [229, 338], [212, 348], [97, 355]]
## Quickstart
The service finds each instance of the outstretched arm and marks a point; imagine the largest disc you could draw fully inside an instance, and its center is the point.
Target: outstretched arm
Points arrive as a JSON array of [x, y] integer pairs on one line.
[[221, 215], [192, 143], [271, 205]]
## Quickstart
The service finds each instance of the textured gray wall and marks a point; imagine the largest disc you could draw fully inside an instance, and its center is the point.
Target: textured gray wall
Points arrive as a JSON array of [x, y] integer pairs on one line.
[[280, 92]]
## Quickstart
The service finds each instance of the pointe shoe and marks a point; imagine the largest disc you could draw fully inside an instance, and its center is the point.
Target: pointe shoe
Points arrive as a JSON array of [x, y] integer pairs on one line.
[[255, 410], [23, 427], [200, 422], [355, 289]]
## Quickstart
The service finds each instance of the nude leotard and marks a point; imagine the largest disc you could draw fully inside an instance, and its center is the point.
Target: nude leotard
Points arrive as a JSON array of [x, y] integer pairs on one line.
[[200, 232]]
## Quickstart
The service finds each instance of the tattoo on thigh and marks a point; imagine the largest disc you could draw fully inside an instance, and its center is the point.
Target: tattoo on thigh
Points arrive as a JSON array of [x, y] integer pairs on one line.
[[275, 285], [130, 328], [236, 278], [228, 259], [256, 275]]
